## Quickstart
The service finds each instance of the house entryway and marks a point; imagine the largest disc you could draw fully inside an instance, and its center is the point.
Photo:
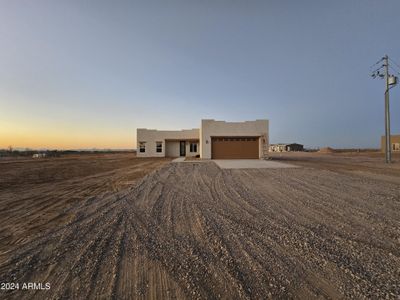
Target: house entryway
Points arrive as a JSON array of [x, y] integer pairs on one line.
[[182, 148]]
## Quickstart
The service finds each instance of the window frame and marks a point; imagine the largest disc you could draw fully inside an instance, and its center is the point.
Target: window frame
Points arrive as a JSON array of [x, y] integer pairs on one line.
[[159, 147], [142, 147], [193, 146]]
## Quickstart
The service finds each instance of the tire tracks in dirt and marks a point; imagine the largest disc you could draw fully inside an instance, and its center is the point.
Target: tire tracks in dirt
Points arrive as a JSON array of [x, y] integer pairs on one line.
[[192, 230]]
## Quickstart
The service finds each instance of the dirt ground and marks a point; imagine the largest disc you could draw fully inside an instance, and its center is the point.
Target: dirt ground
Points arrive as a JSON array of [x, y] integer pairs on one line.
[[41, 194], [366, 164], [329, 229]]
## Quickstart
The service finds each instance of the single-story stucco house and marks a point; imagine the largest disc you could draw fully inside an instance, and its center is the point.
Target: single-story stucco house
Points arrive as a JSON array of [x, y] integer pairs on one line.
[[213, 140]]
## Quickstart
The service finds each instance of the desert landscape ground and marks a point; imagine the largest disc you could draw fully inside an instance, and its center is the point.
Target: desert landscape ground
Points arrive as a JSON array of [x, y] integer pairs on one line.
[[116, 226]]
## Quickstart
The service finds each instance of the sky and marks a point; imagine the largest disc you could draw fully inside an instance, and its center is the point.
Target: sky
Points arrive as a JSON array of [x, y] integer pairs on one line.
[[87, 73]]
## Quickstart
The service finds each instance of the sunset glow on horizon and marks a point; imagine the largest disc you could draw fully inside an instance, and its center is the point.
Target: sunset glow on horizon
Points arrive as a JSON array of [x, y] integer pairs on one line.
[[23, 136], [85, 74]]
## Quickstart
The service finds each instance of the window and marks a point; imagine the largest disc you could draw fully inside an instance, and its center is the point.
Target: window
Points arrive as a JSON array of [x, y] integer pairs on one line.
[[193, 147], [158, 147], [142, 147]]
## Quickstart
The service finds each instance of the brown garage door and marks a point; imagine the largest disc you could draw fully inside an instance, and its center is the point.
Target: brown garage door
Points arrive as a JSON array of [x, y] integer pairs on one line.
[[234, 147]]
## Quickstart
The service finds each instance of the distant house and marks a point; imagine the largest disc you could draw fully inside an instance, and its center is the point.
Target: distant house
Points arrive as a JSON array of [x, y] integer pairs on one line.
[[277, 148], [394, 143], [295, 147], [39, 155], [286, 147]]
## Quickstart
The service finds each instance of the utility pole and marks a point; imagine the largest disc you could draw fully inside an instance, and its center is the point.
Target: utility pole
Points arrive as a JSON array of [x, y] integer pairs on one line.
[[390, 82], [388, 150]]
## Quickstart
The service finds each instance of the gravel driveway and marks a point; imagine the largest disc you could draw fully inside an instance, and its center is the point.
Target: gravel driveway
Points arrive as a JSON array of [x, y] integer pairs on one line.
[[192, 230]]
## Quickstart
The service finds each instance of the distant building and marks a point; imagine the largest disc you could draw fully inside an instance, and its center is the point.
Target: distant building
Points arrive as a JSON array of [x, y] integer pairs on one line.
[[295, 147], [39, 155], [277, 148], [394, 143], [286, 147]]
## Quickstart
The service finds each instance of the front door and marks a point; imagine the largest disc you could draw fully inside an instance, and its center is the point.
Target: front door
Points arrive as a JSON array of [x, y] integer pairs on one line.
[[182, 148]]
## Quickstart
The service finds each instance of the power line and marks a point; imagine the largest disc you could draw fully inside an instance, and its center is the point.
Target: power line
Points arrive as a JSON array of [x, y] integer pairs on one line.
[[394, 70], [377, 69], [376, 63], [394, 62], [377, 72]]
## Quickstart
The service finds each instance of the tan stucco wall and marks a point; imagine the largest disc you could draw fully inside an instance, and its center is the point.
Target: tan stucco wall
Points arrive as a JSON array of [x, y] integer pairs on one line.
[[151, 136], [211, 128], [394, 139]]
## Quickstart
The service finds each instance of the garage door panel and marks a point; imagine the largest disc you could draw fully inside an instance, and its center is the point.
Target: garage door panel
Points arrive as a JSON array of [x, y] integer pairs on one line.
[[234, 147]]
